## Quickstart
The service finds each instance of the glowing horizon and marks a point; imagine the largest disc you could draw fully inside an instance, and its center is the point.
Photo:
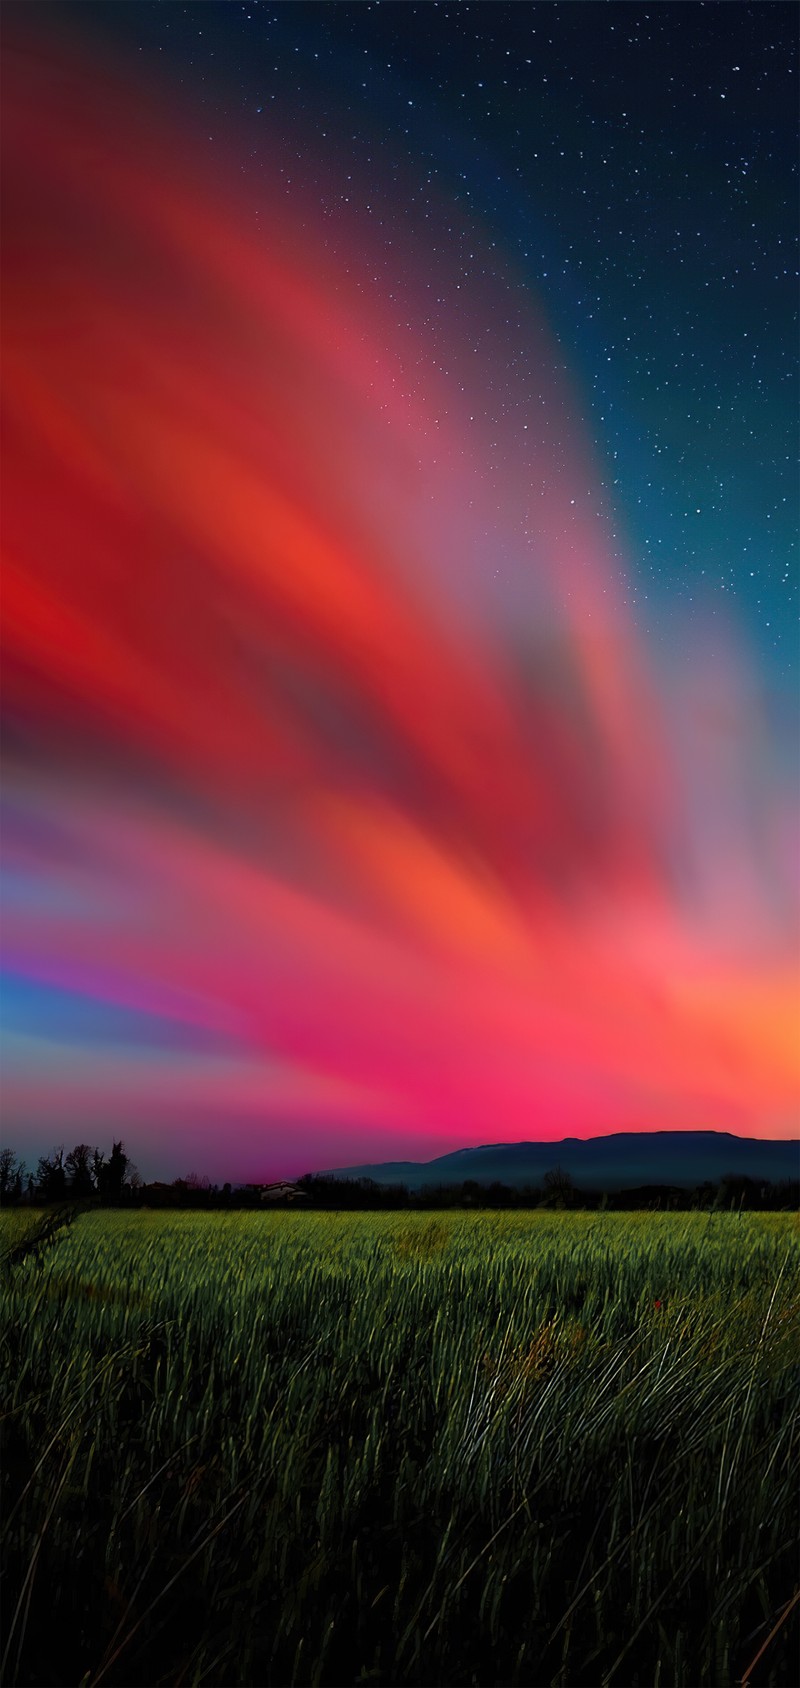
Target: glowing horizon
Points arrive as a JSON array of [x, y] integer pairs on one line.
[[324, 843]]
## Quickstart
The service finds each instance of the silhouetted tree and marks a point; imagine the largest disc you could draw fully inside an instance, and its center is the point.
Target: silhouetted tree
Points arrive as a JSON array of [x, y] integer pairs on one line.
[[78, 1167], [559, 1183], [12, 1172], [51, 1179], [736, 1190], [113, 1174]]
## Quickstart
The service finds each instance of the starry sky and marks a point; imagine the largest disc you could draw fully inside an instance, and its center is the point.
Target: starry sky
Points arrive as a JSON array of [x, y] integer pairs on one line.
[[400, 630]]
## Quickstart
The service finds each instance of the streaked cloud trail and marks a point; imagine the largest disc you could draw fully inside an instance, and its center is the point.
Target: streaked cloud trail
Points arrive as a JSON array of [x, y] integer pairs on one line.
[[325, 838]]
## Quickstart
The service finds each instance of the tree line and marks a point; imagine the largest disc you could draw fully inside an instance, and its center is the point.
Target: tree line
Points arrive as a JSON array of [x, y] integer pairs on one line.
[[87, 1174], [82, 1174], [557, 1192]]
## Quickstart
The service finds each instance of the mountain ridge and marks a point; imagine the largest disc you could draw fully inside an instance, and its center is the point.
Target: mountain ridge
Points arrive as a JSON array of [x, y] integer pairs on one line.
[[619, 1160]]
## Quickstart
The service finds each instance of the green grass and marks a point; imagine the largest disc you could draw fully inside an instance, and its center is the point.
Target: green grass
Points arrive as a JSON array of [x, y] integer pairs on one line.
[[450, 1448], [17, 1225]]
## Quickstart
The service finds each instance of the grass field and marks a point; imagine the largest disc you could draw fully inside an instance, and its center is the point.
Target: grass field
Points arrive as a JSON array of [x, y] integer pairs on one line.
[[444, 1449]]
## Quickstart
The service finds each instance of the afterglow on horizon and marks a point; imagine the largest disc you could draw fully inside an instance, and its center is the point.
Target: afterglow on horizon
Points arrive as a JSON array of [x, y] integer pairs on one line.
[[325, 839]]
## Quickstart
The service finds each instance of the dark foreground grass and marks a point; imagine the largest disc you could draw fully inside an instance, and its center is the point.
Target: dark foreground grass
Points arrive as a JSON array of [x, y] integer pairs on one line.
[[339, 1449]]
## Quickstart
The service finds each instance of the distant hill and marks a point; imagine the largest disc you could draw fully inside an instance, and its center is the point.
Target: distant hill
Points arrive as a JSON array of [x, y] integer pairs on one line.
[[622, 1161]]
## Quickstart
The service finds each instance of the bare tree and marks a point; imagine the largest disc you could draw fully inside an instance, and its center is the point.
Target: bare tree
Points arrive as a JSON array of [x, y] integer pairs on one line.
[[193, 1181], [11, 1174], [559, 1183]]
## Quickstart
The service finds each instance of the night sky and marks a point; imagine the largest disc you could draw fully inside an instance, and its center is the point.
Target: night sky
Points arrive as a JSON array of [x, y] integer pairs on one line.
[[400, 641], [632, 166]]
